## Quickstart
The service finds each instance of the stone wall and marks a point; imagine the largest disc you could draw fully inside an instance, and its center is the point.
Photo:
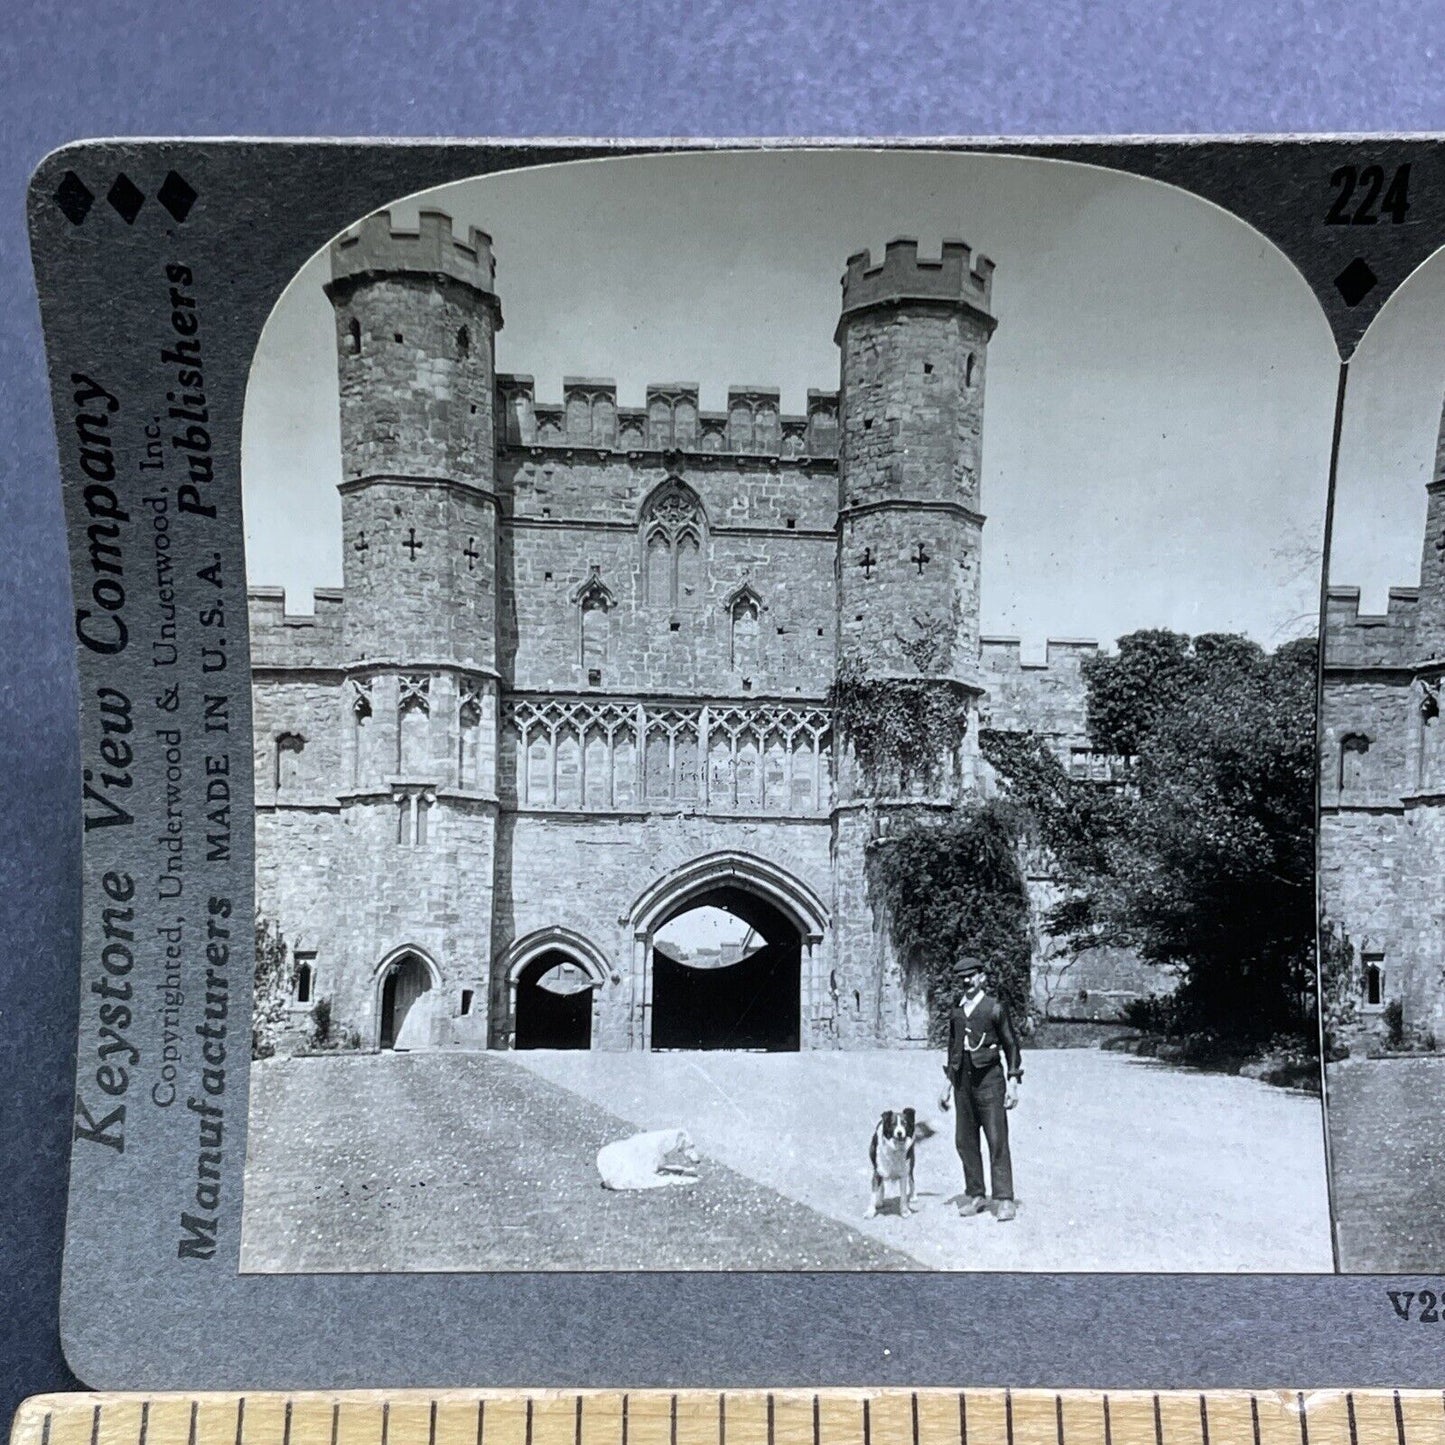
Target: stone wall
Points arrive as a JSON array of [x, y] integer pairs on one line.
[[1048, 698], [283, 639], [1368, 754], [749, 613], [587, 876]]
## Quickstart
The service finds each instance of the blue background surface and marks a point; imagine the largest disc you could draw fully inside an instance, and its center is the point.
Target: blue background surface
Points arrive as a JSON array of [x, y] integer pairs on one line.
[[358, 67]]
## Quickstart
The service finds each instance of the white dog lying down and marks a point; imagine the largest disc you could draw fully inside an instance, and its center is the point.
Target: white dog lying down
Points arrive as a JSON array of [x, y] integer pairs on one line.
[[649, 1161]]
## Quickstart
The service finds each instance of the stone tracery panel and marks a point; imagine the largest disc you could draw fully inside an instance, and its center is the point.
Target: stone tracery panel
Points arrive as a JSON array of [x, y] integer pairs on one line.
[[598, 755]]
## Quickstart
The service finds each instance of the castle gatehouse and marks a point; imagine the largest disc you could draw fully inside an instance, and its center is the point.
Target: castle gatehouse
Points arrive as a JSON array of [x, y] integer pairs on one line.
[[576, 683]]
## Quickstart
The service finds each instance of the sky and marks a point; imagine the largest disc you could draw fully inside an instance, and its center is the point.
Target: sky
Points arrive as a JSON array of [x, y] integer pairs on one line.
[[1159, 398], [1387, 443]]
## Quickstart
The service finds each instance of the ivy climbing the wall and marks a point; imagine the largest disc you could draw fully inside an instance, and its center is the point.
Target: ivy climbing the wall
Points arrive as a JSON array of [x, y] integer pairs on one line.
[[952, 886], [901, 729], [275, 978]]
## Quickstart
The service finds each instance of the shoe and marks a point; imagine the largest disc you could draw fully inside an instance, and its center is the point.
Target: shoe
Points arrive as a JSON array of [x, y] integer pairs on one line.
[[971, 1205], [1006, 1211]]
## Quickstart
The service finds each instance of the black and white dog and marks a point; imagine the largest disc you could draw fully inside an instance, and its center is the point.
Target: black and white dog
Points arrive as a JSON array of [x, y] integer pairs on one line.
[[891, 1153]]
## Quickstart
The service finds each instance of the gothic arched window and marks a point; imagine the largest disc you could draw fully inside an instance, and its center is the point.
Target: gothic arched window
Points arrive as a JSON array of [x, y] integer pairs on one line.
[[673, 537], [1372, 982], [745, 625], [413, 725], [594, 601], [469, 739]]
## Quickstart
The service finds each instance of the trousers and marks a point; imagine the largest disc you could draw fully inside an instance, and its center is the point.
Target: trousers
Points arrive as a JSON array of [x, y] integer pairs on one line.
[[978, 1105]]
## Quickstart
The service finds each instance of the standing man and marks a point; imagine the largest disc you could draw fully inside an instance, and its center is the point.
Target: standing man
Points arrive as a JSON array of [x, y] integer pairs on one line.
[[981, 1040]]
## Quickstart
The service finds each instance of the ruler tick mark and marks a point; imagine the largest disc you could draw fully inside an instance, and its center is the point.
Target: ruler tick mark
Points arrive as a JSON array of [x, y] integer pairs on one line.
[[817, 1422], [529, 1421], [914, 1410], [145, 1421], [1158, 1424], [1399, 1420], [671, 1422], [481, 1420], [1304, 1424], [1203, 1420], [1108, 1426], [240, 1419], [722, 1419], [962, 1419], [95, 1425], [1008, 1415], [1350, 1416], [1059, 1418], [286, 1427], [191, 1430], [385, 1420], [625, 1400], [867, 1422], [577, 1423], [335, 1421], [45, 1429], [431, 1427], [1254, 1416]]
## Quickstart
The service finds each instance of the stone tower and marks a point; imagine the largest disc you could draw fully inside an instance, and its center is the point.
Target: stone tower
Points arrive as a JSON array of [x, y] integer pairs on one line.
[[913, 337], [1430, 618], [416, 318]]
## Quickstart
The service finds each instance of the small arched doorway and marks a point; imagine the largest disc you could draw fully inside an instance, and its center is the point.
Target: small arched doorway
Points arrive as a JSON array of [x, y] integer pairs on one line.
[[553, 1003], [716, 986], [404, 1011]]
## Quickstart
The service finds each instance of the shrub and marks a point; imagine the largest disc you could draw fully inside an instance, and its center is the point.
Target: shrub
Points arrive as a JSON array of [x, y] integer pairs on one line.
[[1393, 1017], [1152, 1015], [274, 970]]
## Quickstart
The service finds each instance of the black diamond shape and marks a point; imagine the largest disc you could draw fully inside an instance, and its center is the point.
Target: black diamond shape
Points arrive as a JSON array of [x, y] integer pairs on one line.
[[74, 198], [176, 195], [1356, 281], [126, 197]]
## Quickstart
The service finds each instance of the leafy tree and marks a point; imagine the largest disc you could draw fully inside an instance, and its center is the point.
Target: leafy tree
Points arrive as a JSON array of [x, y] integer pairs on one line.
[[274, 980], [955, 887], [1201, 854]]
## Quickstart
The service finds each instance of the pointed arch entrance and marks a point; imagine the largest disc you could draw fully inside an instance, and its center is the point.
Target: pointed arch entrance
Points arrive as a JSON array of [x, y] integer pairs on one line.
[[405, 982], [552, 978], [753, 992]]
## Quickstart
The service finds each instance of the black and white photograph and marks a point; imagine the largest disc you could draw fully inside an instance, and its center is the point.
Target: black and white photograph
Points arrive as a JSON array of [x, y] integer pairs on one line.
[[1382, 793], [852, 808]]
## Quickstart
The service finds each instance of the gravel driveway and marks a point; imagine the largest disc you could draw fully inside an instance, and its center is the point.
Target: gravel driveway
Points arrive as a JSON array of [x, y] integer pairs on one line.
[[1119, 1163], [452, 1161], [467, 1162], [1388, 1143]]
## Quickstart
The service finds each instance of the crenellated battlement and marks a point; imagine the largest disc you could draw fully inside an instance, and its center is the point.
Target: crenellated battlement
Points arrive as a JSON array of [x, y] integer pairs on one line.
[[957, 277], [1005, 654], [1371, 639], [670, 419], [1048, 697], [294, 639], [377, 247]]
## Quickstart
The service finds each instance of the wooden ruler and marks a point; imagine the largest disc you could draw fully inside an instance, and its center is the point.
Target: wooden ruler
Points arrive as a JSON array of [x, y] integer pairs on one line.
[[739, 1417]]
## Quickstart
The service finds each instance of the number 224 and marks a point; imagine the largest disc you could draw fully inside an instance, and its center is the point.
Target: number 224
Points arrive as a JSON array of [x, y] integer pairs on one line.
[[1370, 181]]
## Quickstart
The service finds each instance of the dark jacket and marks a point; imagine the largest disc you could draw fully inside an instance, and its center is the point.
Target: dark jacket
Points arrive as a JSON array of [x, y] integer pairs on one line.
[[981, 1038]]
